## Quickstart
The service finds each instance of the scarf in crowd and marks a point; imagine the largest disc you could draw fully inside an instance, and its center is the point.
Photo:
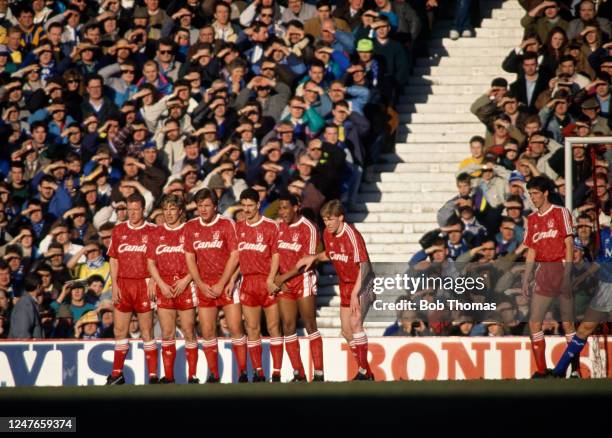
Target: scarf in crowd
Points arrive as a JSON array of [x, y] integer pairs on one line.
[[96, 263]]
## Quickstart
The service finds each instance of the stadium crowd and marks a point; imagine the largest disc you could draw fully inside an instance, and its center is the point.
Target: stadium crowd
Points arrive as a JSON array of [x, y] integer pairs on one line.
[[562, 89], [102, 99]]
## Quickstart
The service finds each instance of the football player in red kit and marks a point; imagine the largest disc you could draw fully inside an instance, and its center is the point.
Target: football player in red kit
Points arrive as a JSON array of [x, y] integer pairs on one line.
[[174, 288], [345, 247], [131, 293], [211, 252], [298, 237], [549, 239], [257, 236]]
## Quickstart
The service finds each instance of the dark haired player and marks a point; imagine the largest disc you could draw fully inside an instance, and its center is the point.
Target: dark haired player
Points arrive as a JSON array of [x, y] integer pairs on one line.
[[549, 239], [346, 249], [257, 237], [297, 238], [175, 291], [131, 293], [211, 252]]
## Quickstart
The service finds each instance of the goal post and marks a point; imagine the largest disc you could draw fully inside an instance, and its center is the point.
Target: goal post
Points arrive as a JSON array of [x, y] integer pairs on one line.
[[569, 177]]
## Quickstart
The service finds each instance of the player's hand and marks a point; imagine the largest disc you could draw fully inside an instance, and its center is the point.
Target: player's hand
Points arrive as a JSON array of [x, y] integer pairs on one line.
[[217, 289], [179, 287], [229, 288], [355, 305], [272, 287], [151, 290], [116, 294], [207, 291], [525, 289], [305, 262]]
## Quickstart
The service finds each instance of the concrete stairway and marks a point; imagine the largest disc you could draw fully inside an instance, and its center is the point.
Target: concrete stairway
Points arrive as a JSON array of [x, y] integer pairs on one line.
[[400, 198]]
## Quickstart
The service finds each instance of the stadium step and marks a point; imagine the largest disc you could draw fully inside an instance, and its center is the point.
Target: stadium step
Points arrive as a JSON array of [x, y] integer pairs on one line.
[[400, 197]]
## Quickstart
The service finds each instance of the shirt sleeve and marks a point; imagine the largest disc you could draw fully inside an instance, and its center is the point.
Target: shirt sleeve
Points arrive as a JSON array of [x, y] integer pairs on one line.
[[528, 235], [360, 251], [188, 242], [151, 245], [232, 240], [112, 248], [274, 245], [567, 226]]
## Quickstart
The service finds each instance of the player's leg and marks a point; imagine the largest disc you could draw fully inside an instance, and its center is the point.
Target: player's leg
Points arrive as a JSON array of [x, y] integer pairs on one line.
[[590, 322], [566, 307], [347, 333], [187, 317], [145, 322], [120, 330], [167, 321], [208, 327], [307, 307], [272, 315], [538, 307], [233, 316], [252, 318], [288, 313], [360, 341]]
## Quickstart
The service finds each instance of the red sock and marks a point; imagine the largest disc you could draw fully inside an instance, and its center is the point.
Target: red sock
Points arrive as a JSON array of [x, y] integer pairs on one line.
[[361, 345], [150, 349], [121, 350], [276, 349], [292, 346], [538, 346], [168, 356], [255, 353], [191, 354], [316, 350], [240, 353], [211, 351], [353, 348]]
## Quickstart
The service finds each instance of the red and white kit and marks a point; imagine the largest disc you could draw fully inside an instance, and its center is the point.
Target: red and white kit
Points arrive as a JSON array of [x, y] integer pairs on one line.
[[294, 242], [256, 245], [166, 248], [546, 235], [212, 245], [129, 247], [346, 251]]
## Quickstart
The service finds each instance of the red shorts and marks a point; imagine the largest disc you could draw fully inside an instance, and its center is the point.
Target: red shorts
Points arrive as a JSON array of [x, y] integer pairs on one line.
[[549, 279], [302, 287], [188, 299], [222, 301], [346, 289], [254, 291], [134, 296]]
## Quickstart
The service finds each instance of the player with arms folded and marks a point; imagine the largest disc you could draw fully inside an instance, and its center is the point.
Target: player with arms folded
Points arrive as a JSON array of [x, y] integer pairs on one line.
[[257, 237], [174, 288], [297, 238], [549, 242], [599, 308], [131, 292], [346, 249], [211, 252]]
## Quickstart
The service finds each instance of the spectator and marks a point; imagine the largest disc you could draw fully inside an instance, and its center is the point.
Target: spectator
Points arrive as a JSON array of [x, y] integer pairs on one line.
[[25, 317], [543, 18], [530, 83]]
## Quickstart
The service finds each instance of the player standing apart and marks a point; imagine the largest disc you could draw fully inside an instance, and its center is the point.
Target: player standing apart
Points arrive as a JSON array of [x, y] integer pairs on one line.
[[129, 273], [174, 288], [257, 236], [297, 238], [211, 252], [549, 239], [599, 308], [346, 249]]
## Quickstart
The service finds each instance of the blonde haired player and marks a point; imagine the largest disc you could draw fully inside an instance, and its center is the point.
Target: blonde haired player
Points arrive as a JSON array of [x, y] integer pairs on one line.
[[345, 248]]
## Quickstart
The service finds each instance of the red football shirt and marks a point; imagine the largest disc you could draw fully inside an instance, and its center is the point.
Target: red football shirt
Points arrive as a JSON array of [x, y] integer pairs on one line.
[[294, 242], [212, 245], [546, 233], [165, 247], [129, 247], [346, 250], [256, 245]]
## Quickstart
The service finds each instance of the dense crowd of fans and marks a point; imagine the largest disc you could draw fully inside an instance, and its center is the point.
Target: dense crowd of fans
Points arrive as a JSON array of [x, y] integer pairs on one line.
[[102, 99], [564, 71]]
